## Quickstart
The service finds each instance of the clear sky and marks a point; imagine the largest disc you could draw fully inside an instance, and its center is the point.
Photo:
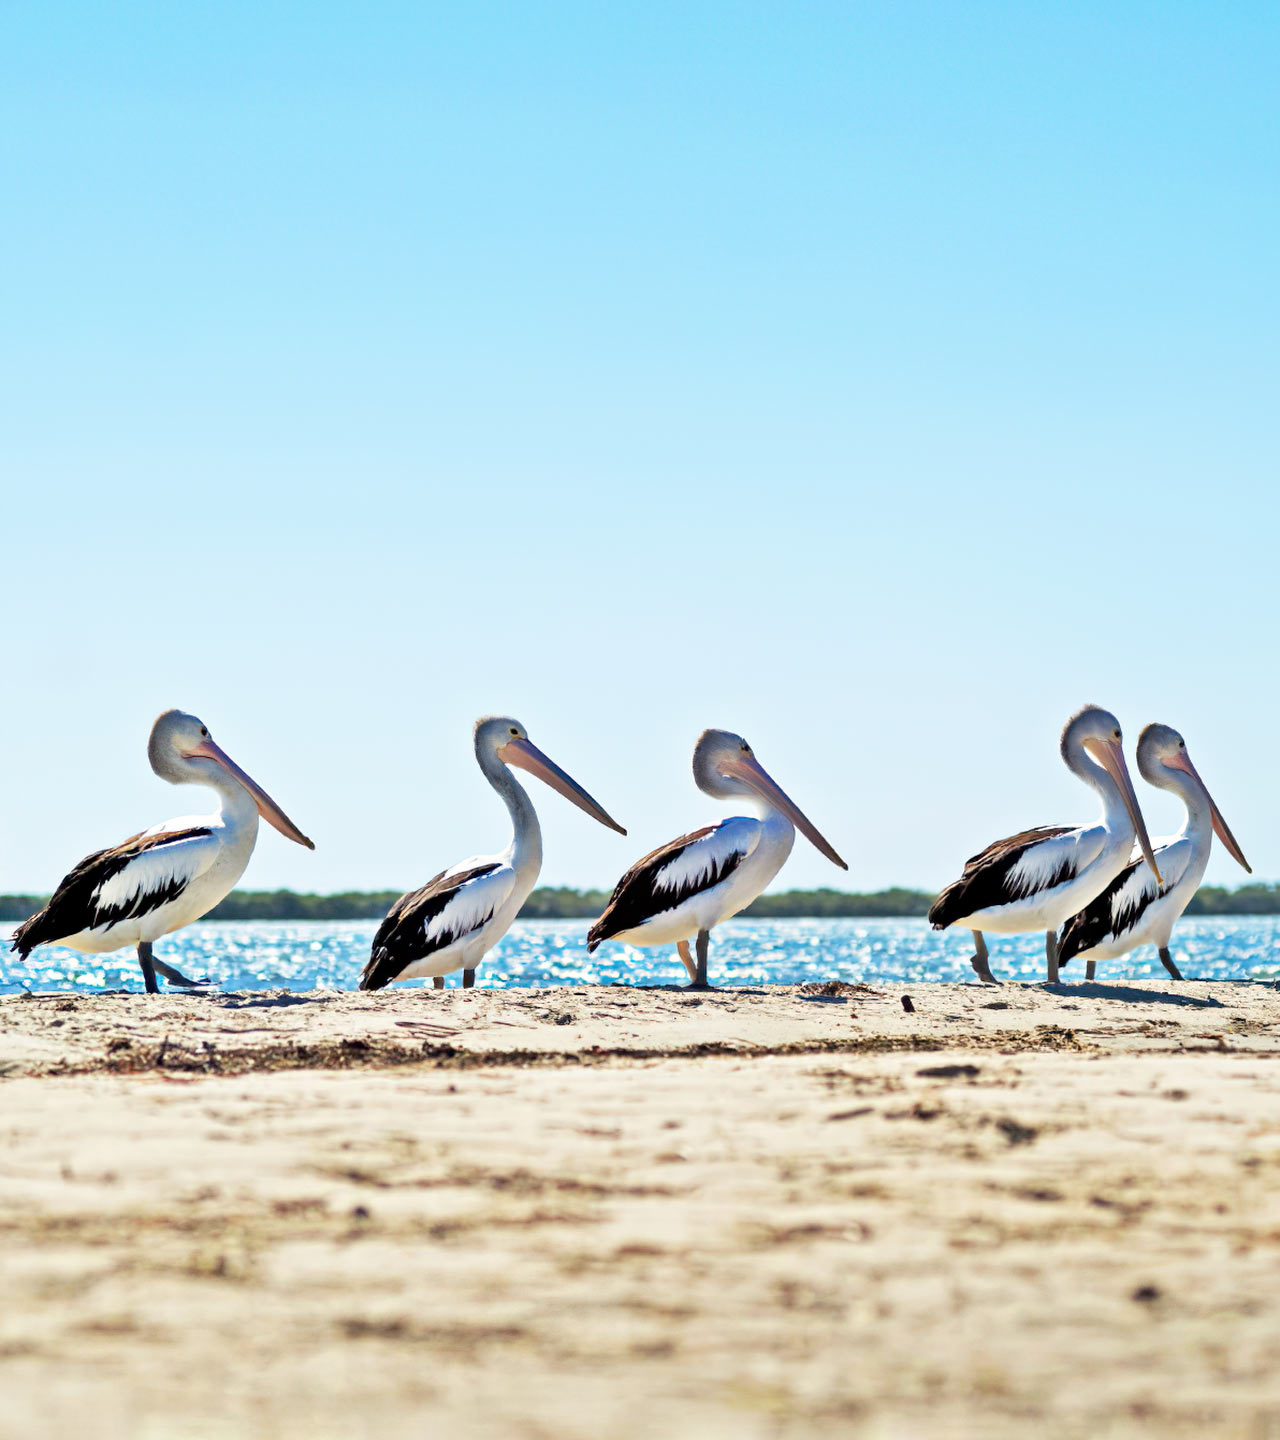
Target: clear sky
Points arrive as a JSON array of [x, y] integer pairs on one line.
[[882, 381]]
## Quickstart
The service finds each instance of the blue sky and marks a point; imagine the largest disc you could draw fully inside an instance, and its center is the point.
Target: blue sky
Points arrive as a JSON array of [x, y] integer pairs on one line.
[[881, 381]]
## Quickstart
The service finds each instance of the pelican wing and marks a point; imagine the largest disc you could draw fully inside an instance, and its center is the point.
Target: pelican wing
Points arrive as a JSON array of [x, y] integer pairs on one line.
[[668, 876], [1121, 906], [123, 883], [1012, 869], [448, 908]]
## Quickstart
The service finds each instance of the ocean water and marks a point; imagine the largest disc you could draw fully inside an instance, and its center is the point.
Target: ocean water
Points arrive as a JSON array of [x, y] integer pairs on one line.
[[327, 955]]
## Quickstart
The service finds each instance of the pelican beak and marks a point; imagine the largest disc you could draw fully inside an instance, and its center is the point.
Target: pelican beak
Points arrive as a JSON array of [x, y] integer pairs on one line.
[[267, 807], [1182, 761], [526, 756], [1110, 755], [749, 770]]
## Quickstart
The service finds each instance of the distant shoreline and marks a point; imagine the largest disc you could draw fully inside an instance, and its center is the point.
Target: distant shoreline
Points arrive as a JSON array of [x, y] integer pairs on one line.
[[563, 903]]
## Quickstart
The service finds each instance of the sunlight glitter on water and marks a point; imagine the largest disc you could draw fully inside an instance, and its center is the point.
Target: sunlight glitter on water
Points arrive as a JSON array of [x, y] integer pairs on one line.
[[328, 955]]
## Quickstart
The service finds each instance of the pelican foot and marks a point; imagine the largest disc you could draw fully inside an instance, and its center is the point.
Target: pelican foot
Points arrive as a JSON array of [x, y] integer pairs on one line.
[[146, 963], [175, 976], [698, 976], [979, 960], [682, 949], [983, 970]]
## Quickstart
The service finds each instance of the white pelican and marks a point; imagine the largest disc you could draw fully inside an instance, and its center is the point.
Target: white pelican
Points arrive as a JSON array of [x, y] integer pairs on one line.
[[458, 917], [1035, 880], [1132, 910], [695, 882], [168, 876]]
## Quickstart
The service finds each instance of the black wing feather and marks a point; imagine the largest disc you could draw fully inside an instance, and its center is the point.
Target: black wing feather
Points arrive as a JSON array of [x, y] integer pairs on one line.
[[632, 901], [73, 907], [985, 879], [402, 937], [1095, 923]]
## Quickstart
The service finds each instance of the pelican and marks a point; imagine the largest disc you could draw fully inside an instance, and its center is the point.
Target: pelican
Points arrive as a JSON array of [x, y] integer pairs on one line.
[[457, 918], [1132, 910], [1035, 880], [166, 877], [689, 886]]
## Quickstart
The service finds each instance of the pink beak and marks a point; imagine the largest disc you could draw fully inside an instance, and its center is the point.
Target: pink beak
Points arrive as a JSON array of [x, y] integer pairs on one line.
[[526, 756], [1110, 755], [1182, 761], [750, 770], [267, 807]]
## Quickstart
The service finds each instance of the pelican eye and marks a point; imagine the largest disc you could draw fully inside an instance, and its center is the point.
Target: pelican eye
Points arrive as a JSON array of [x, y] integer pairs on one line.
[[514, 731], [204, 732]]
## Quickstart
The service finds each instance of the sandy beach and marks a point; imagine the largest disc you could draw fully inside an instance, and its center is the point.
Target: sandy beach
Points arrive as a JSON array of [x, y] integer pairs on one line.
[[616, 1213]]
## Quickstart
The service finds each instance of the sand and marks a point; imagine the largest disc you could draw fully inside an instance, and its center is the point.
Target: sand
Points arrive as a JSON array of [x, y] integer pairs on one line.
[[614, 1213]]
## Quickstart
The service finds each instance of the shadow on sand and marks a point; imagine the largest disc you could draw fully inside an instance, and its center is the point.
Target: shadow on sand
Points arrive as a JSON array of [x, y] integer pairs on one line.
[[268, 1002], [673, 989], [1132, 995]]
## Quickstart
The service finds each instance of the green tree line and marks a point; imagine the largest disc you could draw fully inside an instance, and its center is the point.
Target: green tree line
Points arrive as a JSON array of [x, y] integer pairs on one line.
[[562, 903]]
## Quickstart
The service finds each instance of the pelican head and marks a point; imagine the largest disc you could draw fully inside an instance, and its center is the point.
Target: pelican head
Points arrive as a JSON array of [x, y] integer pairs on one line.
[[1095, 732], [724, 765], [1161, 752], [502, 738], [182, 751]]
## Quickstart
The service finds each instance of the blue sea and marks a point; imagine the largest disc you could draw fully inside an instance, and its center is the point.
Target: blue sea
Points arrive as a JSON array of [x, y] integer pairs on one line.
[[327, 955]]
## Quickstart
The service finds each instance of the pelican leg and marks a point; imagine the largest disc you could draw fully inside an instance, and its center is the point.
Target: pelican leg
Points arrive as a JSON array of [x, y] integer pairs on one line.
[[437, 982], [1090, 969], [979, 960], [682, 946], [1051, 953], [148, 967], [175, 976], [701, 945], [1167, 960], [468, 979]]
